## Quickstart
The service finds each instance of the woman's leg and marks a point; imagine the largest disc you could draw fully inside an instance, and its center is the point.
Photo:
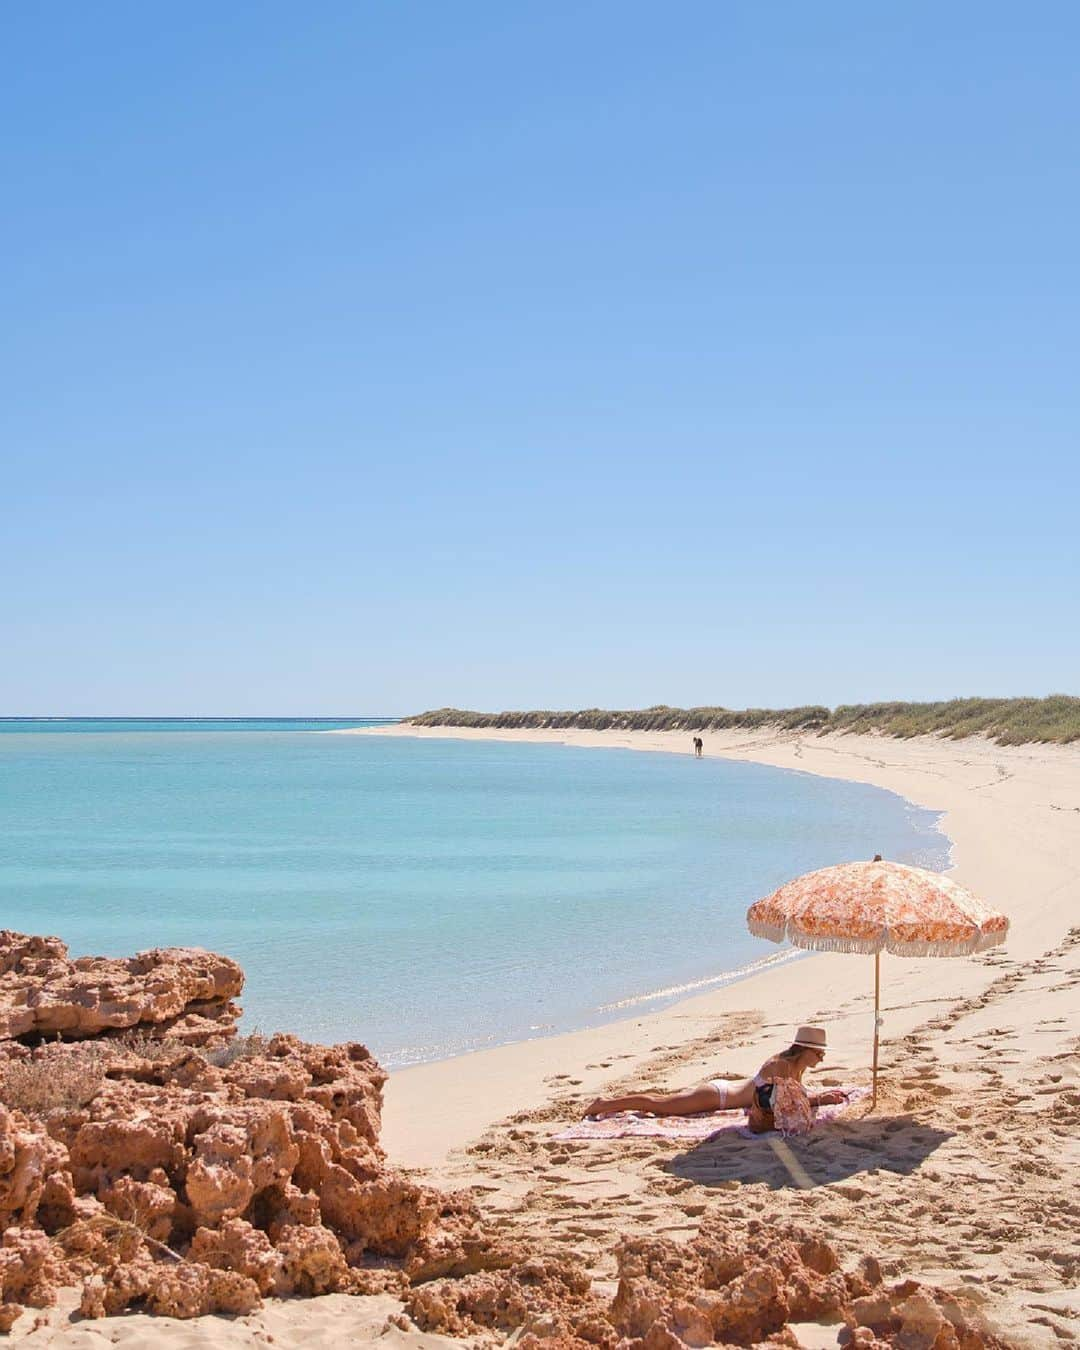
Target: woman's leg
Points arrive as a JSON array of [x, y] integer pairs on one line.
[[703, 1098]]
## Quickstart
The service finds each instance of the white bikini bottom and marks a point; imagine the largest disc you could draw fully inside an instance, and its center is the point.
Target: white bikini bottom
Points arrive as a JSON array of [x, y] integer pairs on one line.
[[723, 1086]]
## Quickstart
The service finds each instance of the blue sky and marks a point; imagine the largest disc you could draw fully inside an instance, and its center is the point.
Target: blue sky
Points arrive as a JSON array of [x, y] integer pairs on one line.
[[360, 358]]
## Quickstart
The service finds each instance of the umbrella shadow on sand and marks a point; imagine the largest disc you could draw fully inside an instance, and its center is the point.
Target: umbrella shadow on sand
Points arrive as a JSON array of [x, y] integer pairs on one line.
[[836, 1152]]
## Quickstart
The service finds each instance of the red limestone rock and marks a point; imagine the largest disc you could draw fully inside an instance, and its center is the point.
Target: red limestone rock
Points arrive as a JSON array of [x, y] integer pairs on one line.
[[181, 990], [156, 1177], [731, 1285], [27, 1158]]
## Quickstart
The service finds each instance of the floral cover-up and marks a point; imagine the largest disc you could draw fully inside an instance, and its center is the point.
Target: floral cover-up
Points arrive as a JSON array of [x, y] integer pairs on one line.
[[792, 1112]]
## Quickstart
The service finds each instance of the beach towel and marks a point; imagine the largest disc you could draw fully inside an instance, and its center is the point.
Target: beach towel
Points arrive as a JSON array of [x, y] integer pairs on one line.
[[690, 1129]]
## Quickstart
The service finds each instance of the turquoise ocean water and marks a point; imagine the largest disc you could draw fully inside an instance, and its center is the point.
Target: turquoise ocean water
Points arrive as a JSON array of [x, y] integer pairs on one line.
[[424, 896]]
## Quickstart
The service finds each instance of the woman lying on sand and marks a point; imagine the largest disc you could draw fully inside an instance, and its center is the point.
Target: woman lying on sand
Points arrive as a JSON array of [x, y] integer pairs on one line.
[[754, 1094]]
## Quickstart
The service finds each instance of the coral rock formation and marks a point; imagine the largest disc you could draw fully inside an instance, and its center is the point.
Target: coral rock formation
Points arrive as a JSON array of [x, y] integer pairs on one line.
[[182, 1185], [732, 1285], [180, 990]]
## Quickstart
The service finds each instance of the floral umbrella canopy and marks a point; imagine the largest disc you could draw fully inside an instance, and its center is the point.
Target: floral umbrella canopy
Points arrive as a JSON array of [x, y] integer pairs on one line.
[[871, 907]]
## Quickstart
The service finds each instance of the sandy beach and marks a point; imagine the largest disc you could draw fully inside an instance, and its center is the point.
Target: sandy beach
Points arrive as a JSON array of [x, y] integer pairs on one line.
[[967, 1175], [964, 1177]]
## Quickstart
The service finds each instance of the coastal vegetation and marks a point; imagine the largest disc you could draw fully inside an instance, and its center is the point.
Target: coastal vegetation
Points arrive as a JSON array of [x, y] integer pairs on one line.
[[57, 1079], [253, 1046], [1009, 721]]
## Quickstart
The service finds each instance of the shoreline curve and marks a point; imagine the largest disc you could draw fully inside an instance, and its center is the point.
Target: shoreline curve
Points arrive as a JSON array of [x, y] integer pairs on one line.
[[1004, 811]]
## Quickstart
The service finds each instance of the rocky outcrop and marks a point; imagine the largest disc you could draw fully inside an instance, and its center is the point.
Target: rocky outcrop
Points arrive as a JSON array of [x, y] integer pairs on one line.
[[183, 992], [159, 1173], [732, 1285]]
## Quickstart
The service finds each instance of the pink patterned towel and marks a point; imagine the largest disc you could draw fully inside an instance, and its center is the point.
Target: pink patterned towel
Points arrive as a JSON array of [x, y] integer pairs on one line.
[[634, 1125]]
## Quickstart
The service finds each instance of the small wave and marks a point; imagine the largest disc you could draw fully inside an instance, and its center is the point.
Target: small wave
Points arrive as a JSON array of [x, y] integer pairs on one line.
[[725, 977], [406, 1056]]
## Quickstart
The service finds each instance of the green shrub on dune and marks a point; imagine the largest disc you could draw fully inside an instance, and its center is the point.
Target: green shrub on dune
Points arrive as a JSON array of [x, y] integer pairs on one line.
[[1009, 721]]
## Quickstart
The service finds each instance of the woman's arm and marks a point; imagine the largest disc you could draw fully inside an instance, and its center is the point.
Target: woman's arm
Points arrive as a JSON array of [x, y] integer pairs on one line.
[[831, 1098]]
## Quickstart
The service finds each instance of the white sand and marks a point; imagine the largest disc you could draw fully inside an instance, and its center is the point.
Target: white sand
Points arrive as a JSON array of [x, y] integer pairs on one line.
[[966, 1176]]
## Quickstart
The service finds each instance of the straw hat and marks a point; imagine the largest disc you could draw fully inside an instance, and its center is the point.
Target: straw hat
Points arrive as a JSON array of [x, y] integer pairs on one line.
[[812, 1037]]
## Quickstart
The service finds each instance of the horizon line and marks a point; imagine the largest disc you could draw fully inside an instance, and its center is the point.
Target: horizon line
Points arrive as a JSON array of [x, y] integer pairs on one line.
[[189, 717]]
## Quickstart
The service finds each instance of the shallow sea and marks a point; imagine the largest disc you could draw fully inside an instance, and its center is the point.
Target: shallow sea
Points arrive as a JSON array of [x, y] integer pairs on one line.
[[424, 896]]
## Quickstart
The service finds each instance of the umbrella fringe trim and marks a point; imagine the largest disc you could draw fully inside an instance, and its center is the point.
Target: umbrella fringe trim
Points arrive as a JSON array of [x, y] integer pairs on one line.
[[774, 933], [965, 947], [855, 946], [994, 938], [770, 931], [868, 946]]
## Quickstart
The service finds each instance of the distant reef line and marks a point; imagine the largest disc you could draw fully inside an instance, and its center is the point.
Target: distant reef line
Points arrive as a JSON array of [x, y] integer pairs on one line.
[[1008, 721]]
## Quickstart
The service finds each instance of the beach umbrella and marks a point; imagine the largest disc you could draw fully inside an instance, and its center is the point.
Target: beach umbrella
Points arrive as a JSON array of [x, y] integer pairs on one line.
[[875, 907]]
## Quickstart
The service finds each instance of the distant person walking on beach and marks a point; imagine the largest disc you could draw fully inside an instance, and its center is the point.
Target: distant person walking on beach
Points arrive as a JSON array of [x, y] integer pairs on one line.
[[699, 746], [754, 1095]]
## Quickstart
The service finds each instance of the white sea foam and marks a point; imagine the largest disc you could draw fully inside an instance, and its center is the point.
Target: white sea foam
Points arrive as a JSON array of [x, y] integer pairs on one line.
[[710, 982]]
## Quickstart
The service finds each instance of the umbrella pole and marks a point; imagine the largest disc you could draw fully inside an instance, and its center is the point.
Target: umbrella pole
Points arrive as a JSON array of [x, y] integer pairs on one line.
[[877, 1020]]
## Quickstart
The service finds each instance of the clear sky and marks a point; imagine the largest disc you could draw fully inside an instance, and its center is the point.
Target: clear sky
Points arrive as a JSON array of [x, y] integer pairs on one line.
[[367, 357]]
